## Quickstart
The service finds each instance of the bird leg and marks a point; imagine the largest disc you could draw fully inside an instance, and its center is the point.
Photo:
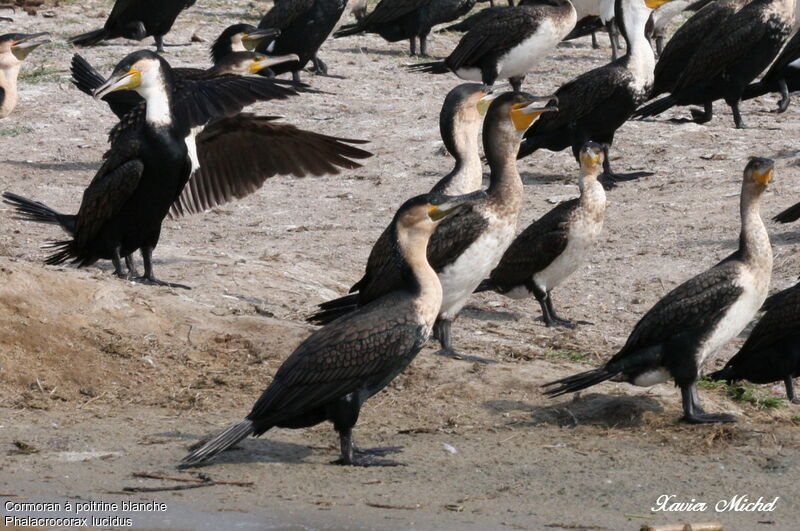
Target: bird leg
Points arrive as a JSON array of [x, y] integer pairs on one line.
[[148, 278], [790, 394], [320, 68], [159, 43], [131, 265], [693, 413], [548, 314], [557, 320], [737, 116], [296, 76], [351, 456], [423, 45], [595, 44], [117, 261], [412, 44], [704, 116], [784, 103], [614, 38], [516, 83]]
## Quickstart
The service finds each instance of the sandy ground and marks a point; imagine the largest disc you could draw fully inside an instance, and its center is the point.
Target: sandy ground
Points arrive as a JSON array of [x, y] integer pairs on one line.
[[100, 379]]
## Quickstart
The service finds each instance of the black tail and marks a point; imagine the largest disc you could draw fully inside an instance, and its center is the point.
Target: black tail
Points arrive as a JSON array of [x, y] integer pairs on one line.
[[220, 443], [84, 76], [726, 374], [759, 88], [579, 381], [65, 253], [29, 210], [790, 214], [349, 29], [333, 309], [88, 39], [436, 67], [657, 107], [485, 285]]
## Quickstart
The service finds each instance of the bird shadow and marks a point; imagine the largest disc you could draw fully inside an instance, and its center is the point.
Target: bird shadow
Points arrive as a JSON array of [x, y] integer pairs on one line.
[[605, 411], [543, 178], [253, 450], [482, 314], [389, 53], [57, 166]]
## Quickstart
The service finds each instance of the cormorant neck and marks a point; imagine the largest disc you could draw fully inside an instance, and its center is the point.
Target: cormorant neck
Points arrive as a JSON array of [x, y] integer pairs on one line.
[[754, 246], [9, 70], [632, 16], [427, 290], [592, 191], [467, 173], [158, 95], [501, 154]]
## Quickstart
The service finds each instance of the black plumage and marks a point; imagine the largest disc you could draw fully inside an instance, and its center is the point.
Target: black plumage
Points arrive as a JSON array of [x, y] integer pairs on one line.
[[790, 214], [137, 19], [681, 330], [772, 350], [782, 77], [336, 369], [304, 25], [743, 46], [397, 20]]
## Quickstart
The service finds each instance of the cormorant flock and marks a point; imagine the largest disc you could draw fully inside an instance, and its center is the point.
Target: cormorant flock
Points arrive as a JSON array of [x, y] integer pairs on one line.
[[183, 144]]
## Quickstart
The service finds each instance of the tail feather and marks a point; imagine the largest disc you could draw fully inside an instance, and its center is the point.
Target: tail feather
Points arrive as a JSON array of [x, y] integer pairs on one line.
[[84, 76], [90, 38], [436, 67], [333, 309], [220, 443], [485, 285], [726, 374], [579, 381], [349, 29], [657, 107], [790, 214], [29, 210]]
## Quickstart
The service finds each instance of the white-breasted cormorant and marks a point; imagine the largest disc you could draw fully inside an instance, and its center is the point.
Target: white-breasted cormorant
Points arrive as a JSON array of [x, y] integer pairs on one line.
[[14, 48], [506, 43], [783, 76], [676, 336], [730, 59], [398, 20], [241, 38], [466, 247], [772, 350], [554, 246], [304, 25], [137, 19], [339, 367], [595, 104]]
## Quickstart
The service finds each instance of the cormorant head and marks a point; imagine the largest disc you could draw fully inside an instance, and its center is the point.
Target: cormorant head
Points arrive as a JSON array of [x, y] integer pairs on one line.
[[141, 71], [246, 63], [22, 44], [461, 116], [591, 157], [514, 112], [424, 212], [240, 38], [758, 173]]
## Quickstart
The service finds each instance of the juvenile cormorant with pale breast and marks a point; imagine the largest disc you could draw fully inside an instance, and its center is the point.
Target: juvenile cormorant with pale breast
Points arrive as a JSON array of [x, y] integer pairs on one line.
[[14, 48]]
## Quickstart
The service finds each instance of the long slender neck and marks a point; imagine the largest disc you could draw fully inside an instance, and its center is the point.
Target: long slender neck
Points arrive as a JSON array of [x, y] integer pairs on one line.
[[467, 173], [8, 82], [754, 244], [634, 15], [413, 249], [593, 195], [159, 98], [505, 183]]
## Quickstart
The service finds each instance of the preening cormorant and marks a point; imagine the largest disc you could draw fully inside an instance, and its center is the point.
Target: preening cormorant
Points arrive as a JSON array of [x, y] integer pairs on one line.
[[14, 48], [397, 20], [137, 19], [772, 351], [782, 77], [465, 248], [152, 157], [338, 367], [595, 104], [555, 245], [726, 62], [676, 336], [304, 25], [507, 43]]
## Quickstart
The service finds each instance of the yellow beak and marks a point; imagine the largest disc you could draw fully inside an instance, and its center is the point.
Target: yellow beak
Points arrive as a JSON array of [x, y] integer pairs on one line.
[[764, 177]]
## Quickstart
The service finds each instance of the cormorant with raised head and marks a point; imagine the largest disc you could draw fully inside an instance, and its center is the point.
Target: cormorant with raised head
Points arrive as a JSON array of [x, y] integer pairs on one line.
[[339, 367], [553, 247], [782, 77], [507, 43], [676, 336], [14, 48], [772, 350], [724, 64], [304, 25], [595, 104], [137, 19], [397, 20], [466, 247]]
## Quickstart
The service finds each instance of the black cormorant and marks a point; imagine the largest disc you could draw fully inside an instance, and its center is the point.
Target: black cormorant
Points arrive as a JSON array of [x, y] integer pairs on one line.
[[339, 367], [726, 62], [507, 43], [14, 48], [595, 104], [137, 19], [553, 247], [772, 350], [694, 320], [782, 77], [397, 20], [465, 248]]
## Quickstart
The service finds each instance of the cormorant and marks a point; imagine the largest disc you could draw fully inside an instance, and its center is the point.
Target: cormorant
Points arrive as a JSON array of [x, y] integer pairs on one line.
[[790, 214], [772, 351], [593, 15], [151, 158], [240, 38], [464, 249], [659, 21], [339, 367], [782, 77], [726, 62], [556, 245], [14, 48], [694, 320], [596, 103], [507, 43], [304, 25], [397, 20], [137, 19]]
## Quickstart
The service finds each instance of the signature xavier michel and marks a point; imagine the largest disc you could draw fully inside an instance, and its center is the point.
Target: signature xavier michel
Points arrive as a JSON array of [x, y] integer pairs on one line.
[[737, 503]]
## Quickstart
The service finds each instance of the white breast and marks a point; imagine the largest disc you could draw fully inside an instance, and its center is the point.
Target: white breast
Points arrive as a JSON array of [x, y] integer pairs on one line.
[[522, 58]]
